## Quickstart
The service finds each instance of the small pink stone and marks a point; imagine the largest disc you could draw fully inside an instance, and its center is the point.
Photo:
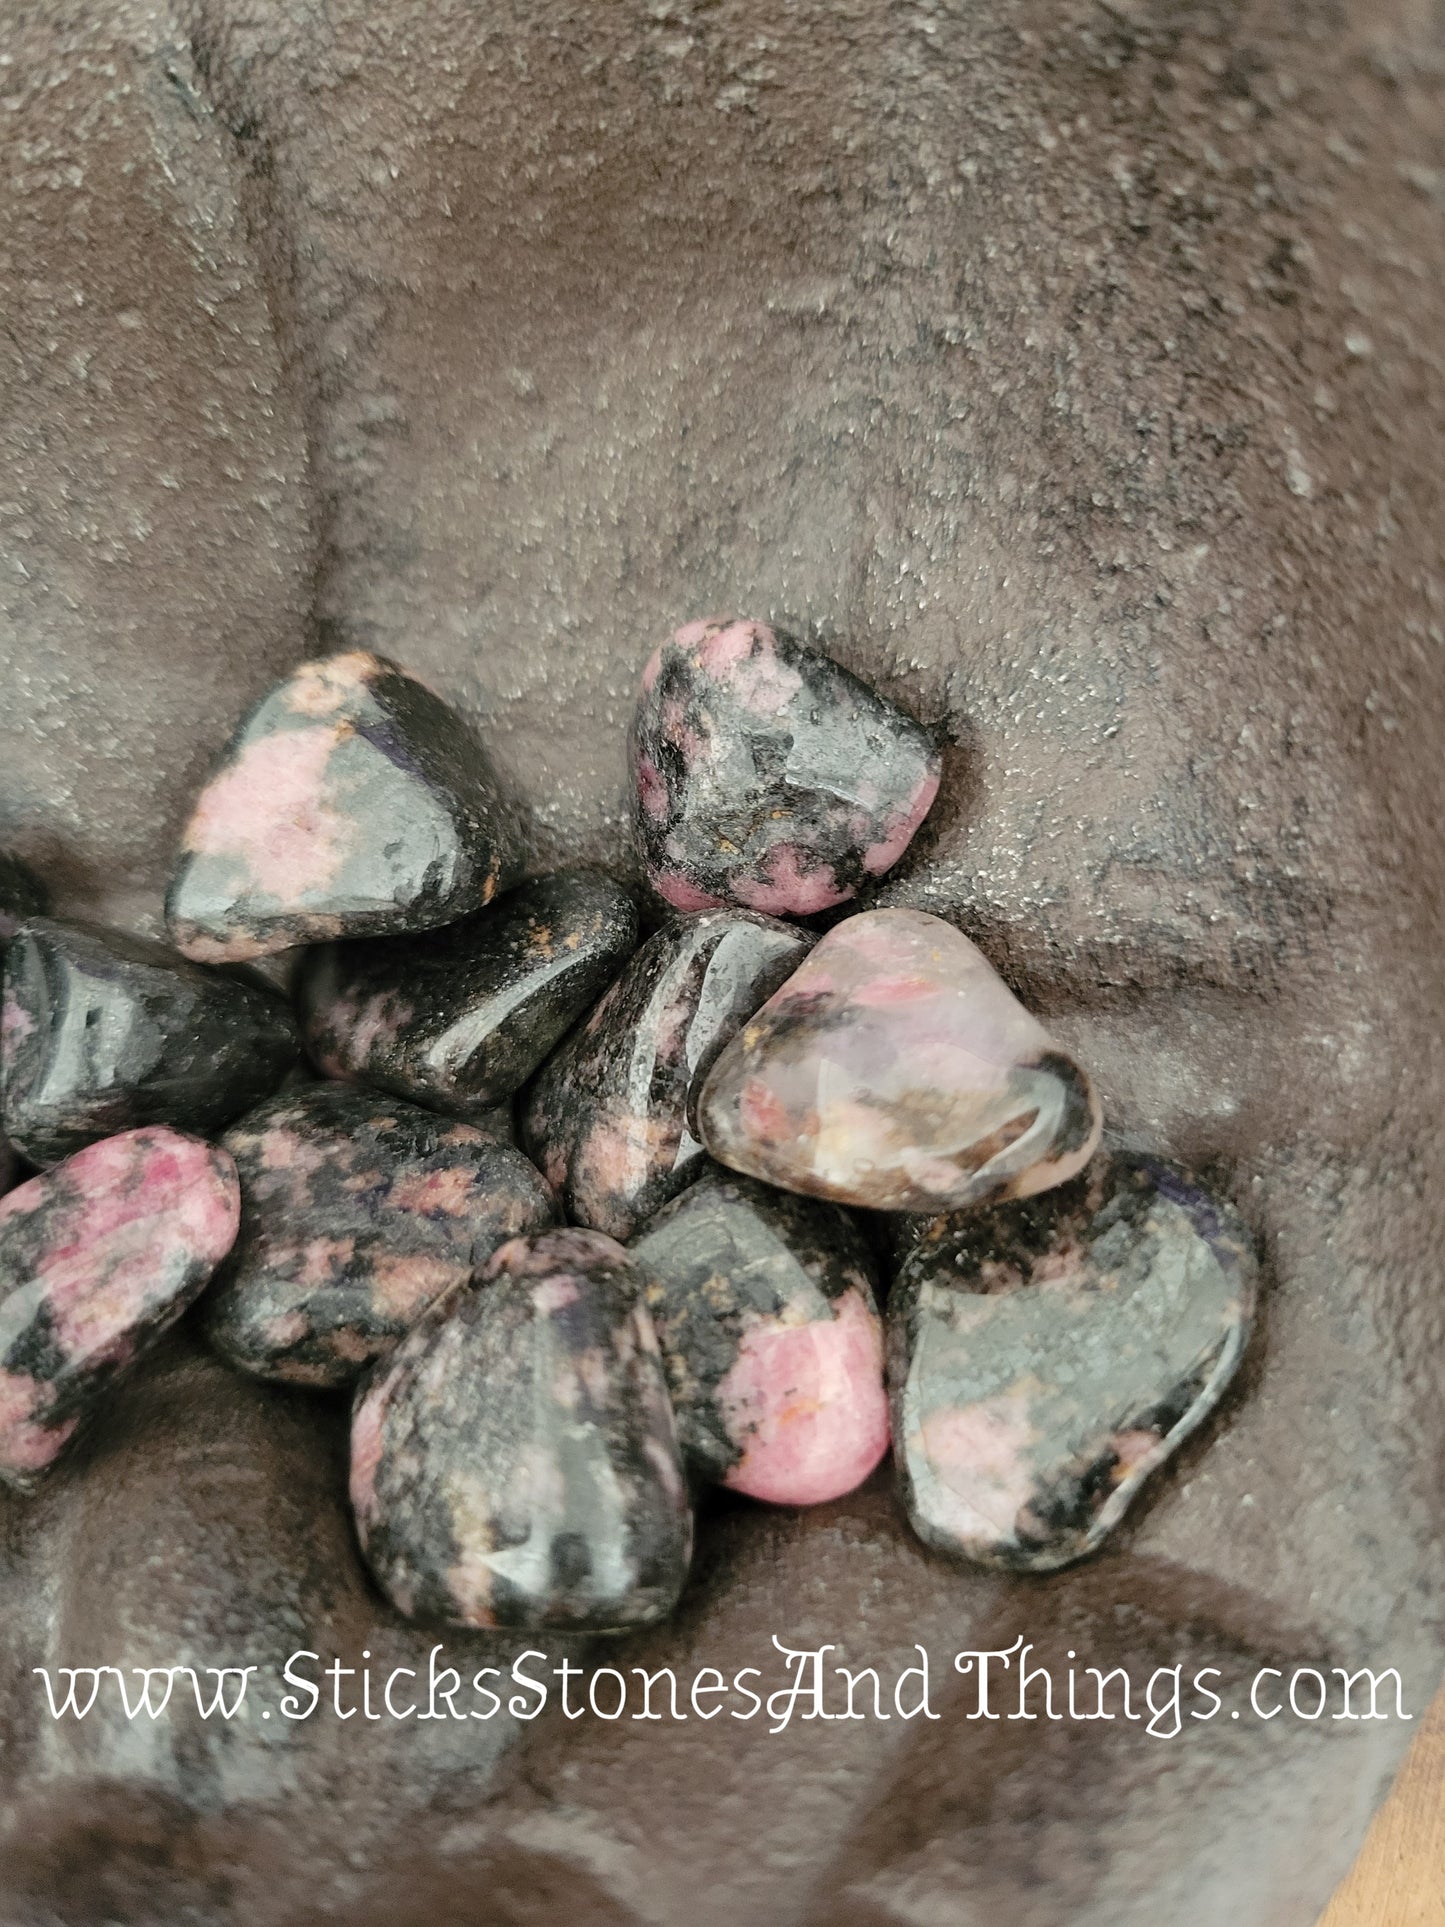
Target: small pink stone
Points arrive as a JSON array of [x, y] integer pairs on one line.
[[809, 1402]]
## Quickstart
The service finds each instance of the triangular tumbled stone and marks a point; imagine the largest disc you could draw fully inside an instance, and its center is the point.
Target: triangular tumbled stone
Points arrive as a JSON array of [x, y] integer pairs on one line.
[[102, 1032], [352, 802], [895, 1069], [1046, 1357]]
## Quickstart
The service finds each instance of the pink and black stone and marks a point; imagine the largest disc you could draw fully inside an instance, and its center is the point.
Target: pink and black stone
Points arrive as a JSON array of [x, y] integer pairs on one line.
[[1046, 1357], [767, 775], [609, 1117], [97, 1259], [458, 1019], [22, 895], [765, 1310], [101, 1032], [357, 1212], [352, 802], [515, 1462], [896, 1070]]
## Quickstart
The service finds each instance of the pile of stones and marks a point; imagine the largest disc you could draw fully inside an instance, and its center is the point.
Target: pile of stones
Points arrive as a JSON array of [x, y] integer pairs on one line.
[[574, 1217]]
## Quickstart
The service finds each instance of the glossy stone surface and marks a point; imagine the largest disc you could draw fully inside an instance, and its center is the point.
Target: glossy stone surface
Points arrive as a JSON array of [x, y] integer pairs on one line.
[[458, 1019], [97, 1258], [765, 1310], [357, 1211], [22, 895], [896, 1070], [608, 1119], [352, 802], [515, 1463], [1046, 1357], [101, 1032], [767, 775]]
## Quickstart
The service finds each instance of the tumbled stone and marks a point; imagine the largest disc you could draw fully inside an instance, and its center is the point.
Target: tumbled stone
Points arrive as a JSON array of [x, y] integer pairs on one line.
[[357, 1211], [22, 895], [765, 1311], [608, 1119], [895, 1070], [515, 1462], [352, 802], [1046, 1357], [458, 1019], [97, 1258], [767, 775], [101, 1032]]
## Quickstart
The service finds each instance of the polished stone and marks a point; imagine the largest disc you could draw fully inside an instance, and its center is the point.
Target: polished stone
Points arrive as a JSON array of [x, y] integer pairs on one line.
[[515, 1462], [101, 1032], [765, 1310], [1046, 1357], [608, 1119], [357, 1211], [97, 1259], [458, 1019], [352, 802], [767, 775], [896, 1070]]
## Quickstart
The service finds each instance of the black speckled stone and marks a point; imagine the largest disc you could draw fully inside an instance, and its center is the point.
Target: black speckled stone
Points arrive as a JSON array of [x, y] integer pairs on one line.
[[765, 1310], [357, 1212], [515, 1462], [458, 1019], [22, 895], [97, 1259], [608, 1119], [767, 775], [101, 1032], [1047, 1356], [352, 802]]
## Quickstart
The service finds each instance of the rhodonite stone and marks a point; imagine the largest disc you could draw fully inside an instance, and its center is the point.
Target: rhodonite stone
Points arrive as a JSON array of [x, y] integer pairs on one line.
[[97, 1258], [357, 1211], [608, 1118], [1046, 1357], [100, 1032], [766, 775], [515, 1462], [22, 895], [351, 803], [765, 1311], [458, 1019], [894, 1069]]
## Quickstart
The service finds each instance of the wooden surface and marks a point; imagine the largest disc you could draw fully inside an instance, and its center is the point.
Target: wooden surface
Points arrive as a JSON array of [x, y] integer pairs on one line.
[[1399, 1878]]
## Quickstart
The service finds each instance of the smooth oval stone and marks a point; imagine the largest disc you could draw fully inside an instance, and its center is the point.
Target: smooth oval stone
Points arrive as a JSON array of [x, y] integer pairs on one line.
[[352, 802], [765, 1310], [1046, 1357], [22, 895], [101, 1032], [357, 1211], [608, 1118], [459, 1019], [767, 775], [515, 1462], [896, 1070], [97, 1258]]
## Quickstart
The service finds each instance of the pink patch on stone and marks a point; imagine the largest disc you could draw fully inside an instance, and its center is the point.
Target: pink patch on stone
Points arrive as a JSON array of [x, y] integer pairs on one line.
[[726, 648], [650, 670], [807, 1404], [902, 826], [267, 812], [979, 1456], [789, 886], [651, 789], [682, 894]]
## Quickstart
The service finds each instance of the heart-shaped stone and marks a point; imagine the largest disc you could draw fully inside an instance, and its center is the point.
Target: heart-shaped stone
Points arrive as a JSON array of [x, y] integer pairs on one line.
[[895, 1069]]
